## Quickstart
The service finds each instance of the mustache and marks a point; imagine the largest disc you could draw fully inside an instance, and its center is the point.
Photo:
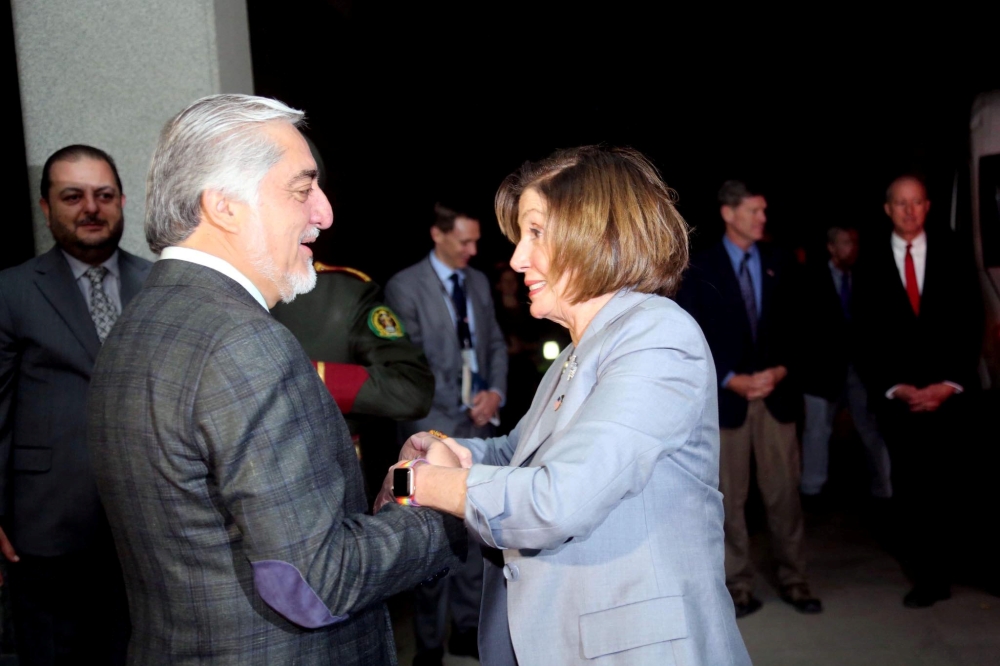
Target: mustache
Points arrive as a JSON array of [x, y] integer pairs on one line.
[[92, 219], [310, 234]]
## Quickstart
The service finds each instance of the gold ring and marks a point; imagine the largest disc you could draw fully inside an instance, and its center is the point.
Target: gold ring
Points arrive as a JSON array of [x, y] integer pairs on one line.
[[438, 434]]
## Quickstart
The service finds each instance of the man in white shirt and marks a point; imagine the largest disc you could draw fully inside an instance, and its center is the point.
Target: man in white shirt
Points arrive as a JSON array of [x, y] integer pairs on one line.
[[55, 312], [918, 318]]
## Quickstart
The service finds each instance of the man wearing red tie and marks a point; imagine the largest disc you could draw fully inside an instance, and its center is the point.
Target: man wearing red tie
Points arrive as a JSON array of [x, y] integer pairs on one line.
[[918, 317]]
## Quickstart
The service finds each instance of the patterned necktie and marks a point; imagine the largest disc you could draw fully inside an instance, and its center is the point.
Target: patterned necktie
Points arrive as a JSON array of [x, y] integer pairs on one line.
[[845, 293], [912, 288], [102, 310], [749, 299], [461, 313]]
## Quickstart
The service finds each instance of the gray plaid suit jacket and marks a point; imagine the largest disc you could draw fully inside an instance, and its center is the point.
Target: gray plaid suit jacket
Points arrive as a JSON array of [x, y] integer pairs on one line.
[[234, 493]]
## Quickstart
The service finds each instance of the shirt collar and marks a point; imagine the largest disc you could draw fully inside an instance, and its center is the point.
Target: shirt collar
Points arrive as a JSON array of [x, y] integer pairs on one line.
[[80, 267], [736, 253], [444, 272], [917, 244], [211, 261]]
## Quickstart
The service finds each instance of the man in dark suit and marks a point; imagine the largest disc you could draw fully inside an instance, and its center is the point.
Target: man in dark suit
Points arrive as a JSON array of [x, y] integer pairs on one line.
[[231, 484], [447, 309], [55, 312], [741, 291], [829, 375], [919, 319]]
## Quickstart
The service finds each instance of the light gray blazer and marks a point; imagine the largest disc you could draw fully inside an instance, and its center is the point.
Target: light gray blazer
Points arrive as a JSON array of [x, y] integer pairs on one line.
[[606, 510], [418, 297]]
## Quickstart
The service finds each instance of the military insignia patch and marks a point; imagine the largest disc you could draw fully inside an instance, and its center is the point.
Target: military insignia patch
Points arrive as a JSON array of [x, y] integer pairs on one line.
[[384, 323]]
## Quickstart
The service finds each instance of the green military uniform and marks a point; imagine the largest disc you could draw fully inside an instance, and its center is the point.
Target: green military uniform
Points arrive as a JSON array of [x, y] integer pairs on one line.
[[364, 357]]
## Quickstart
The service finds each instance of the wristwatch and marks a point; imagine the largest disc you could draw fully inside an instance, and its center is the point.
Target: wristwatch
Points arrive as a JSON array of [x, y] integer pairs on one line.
[[403, 485]]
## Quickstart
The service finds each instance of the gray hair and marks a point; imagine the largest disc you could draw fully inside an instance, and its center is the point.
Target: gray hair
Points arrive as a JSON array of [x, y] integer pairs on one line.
[[216, 143]]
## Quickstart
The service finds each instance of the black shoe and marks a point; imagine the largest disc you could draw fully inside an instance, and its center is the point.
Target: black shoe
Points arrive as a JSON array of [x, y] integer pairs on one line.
[[433, 657], [464, 642], [745, 603], [802, 599], [923, 596]]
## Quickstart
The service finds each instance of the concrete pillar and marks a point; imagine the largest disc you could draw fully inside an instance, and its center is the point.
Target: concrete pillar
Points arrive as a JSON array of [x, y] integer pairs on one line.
[[110, 73]]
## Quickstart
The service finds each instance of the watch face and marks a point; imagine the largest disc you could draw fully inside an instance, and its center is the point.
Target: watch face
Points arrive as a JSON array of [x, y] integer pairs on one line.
[[401, 482]]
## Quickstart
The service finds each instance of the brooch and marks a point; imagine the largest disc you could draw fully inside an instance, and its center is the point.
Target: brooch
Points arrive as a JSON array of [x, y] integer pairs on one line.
[[570, 367]]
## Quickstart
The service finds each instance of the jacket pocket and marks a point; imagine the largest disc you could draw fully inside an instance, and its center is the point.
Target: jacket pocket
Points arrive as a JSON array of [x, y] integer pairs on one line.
[[32, 459], [632, 625]]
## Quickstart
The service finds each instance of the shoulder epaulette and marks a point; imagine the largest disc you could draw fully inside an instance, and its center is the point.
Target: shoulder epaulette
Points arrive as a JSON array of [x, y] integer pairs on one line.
[[325, 268]]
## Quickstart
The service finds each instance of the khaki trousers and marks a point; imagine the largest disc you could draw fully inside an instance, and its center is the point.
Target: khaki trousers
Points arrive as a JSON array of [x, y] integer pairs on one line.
[[776, 451]]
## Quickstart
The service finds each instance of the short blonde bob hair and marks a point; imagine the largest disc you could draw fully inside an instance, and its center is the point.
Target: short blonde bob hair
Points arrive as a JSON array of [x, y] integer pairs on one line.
[[611, 222]]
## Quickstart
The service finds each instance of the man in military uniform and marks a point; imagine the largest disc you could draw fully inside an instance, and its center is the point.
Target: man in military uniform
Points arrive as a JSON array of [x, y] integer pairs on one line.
[[361, 350]]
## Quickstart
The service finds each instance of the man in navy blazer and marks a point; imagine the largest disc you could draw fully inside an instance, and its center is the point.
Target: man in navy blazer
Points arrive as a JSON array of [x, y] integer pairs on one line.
[[919, 322], [55, 311], [741, 292]]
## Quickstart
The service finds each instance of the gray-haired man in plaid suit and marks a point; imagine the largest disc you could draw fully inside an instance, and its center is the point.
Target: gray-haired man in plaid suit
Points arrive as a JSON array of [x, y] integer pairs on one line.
[[227, 471]]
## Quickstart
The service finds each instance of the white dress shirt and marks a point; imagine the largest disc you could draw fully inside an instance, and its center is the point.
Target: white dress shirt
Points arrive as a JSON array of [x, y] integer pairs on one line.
[[215, 263], [918, 250]]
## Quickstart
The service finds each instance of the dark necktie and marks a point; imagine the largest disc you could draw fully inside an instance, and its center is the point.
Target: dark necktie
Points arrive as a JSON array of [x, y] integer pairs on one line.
[[102, 310], [749, 299], [845, 293], [461, 313], [912, 288]]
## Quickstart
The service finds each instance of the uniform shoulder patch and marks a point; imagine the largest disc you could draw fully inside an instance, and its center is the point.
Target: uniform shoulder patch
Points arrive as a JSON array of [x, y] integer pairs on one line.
[[384, 323], [327, 268]]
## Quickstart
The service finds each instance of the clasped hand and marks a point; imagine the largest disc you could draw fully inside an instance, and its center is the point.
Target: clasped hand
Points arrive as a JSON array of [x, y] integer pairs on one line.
[[444, 452], [927, 399]]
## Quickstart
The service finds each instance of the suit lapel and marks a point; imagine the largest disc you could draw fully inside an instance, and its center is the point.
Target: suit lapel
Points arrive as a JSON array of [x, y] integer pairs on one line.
[[438, 311], [729, 285], [767, 275], [532, 435], [55, 280], [132, 276]]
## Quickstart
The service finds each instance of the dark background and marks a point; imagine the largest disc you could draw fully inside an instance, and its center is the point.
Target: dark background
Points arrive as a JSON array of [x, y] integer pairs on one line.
[[412, 105]]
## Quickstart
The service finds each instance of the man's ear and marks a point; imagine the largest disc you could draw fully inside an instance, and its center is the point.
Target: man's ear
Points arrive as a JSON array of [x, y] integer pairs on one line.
[[123, 200], [887, 208], [221, 211], [44, 205], [727, 214], [437, 235]]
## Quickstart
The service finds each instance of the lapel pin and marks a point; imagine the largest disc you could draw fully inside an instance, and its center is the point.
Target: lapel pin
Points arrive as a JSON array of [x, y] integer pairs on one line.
[[570, 367], [558, 402]]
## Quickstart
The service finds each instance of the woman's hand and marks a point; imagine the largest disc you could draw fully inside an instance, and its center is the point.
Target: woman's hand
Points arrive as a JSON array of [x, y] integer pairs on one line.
[[419, 446]]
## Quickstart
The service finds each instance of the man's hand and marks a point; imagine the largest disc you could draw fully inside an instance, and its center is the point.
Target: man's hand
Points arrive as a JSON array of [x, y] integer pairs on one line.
[[484, 406], [759, 384], [7, 549], [905, 392], [420, 444], [929, 398]]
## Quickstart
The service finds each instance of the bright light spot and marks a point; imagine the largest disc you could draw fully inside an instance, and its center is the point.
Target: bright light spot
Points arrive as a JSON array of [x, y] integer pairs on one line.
[[550, 350]]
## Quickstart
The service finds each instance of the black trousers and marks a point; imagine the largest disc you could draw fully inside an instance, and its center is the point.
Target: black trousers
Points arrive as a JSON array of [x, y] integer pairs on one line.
[[70, 609], [927, 451]]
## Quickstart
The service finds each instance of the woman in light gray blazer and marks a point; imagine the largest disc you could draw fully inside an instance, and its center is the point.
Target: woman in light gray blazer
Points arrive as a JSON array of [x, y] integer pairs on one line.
[[600, 510]]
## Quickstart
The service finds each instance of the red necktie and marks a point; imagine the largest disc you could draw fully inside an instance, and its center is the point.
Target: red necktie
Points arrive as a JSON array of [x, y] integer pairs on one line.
[[912, 290]]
